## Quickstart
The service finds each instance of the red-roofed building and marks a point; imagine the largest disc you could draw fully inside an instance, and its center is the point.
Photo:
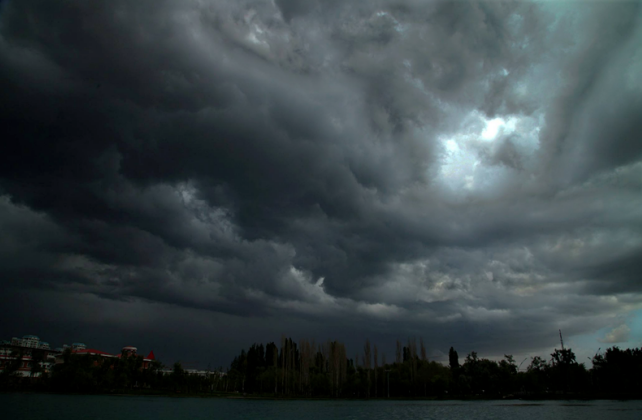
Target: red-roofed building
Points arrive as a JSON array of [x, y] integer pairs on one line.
[[127, 351], [93, 352]]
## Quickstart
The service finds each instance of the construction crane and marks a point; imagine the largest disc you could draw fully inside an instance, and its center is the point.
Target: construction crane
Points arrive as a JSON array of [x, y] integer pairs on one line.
[[561, 340]]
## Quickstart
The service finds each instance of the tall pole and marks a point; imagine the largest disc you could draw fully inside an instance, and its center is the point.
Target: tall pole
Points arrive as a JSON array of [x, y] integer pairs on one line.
[[561, 340]]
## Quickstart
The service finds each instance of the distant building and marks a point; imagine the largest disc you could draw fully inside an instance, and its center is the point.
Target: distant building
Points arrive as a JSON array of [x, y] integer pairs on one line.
[[28, 341], [78, 346], [127, 351], [194, 372], [27, 351], [204, 373]]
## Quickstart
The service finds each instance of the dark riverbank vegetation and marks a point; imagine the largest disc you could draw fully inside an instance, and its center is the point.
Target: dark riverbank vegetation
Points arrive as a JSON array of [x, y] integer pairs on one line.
[[309, 370]]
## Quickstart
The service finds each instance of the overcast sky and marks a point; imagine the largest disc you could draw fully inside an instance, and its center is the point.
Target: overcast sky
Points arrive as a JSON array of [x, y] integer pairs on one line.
[[193, 176]]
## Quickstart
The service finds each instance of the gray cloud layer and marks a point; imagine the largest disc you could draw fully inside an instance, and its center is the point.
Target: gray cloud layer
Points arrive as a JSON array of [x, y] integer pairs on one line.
[[465, 171]]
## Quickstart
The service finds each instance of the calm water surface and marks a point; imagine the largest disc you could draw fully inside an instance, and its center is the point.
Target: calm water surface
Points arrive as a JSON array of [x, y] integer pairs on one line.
[[67, 407]]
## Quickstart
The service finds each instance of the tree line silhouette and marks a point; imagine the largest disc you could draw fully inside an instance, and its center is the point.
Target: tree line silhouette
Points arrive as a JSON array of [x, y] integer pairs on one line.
[[308, 369]]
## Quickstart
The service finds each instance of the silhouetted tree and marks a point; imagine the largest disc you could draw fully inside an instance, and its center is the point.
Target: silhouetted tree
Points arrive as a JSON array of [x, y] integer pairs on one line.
[[453, 361]]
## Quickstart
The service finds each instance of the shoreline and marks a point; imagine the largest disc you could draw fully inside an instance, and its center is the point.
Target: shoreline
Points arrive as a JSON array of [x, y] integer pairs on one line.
[[231, 396]]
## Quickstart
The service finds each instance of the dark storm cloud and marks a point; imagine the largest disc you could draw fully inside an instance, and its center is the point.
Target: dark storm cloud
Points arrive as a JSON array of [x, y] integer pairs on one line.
[[587, 123], [451, 169]]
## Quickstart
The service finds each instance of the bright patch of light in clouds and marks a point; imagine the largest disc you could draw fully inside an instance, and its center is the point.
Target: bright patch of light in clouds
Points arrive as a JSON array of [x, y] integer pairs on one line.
[[485, 153], [452, 146], [494, 126]]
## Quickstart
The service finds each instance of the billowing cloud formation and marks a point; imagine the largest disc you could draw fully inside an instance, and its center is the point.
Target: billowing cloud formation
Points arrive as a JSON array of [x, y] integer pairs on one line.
[[468, 172], [617, 335]]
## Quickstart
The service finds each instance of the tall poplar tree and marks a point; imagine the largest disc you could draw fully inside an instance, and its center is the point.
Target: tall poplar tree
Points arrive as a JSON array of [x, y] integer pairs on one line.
[[367, 358], [376, 368]]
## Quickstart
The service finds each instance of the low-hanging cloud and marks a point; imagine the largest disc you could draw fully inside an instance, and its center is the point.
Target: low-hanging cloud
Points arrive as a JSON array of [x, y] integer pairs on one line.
[[463, 171]]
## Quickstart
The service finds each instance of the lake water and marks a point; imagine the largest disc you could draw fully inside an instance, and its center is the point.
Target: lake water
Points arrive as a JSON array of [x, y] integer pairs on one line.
[[71, 407]]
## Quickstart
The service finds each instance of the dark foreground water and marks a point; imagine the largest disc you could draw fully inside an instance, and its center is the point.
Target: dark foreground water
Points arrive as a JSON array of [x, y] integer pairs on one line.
[[71, 407]]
